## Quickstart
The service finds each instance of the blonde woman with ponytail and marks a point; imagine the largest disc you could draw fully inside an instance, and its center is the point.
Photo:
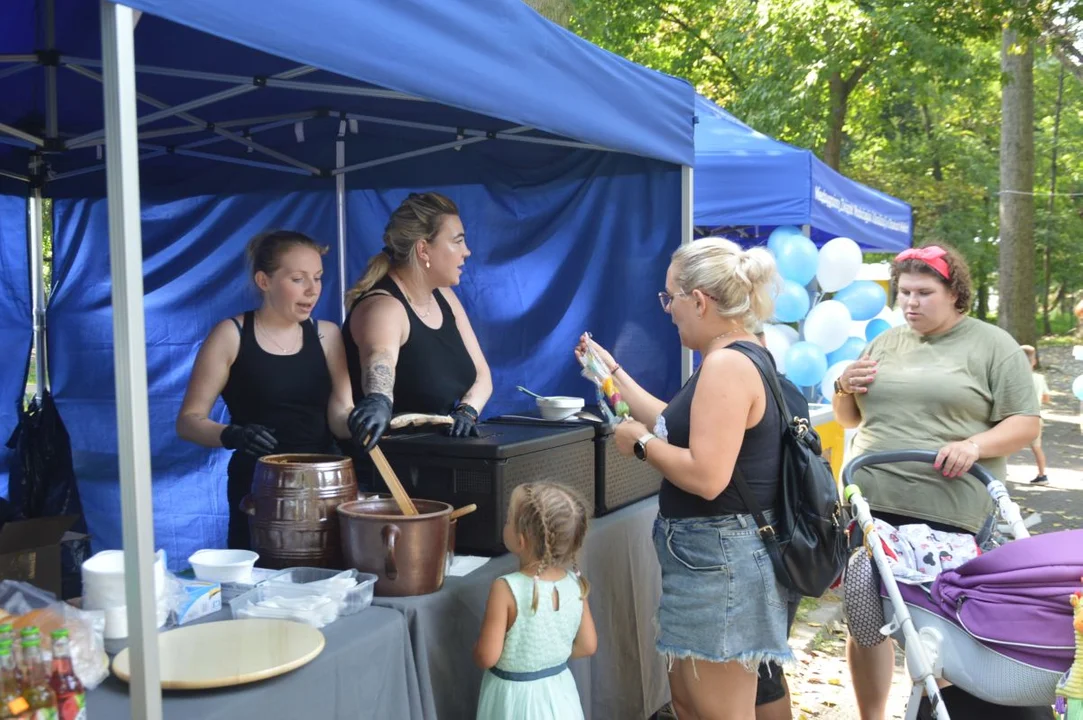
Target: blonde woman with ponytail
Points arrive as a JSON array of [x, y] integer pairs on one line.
[[409, 344], [722, 612]]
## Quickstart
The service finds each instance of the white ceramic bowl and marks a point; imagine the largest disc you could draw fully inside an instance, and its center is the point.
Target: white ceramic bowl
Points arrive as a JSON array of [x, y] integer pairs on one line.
[[225, 566], [559, 407]]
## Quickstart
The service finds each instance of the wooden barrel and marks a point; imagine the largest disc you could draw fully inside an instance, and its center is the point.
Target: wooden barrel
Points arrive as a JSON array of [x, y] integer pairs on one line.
[[292, 509]]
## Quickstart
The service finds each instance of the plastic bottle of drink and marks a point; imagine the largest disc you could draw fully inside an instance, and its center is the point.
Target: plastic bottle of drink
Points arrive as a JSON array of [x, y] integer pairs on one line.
[[36, 687], [70, 694], [12, 702]]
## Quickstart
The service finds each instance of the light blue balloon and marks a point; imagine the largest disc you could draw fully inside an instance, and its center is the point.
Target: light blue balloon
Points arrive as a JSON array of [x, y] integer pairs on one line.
[[875, 327], [864, 299], [850, 350], [792, 303], [1077, 387], [779, 233], [796, 257], [805, 364]]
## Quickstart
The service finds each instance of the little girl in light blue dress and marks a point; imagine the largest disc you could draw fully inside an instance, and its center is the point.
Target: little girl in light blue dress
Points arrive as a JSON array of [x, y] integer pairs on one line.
[[537, 618]]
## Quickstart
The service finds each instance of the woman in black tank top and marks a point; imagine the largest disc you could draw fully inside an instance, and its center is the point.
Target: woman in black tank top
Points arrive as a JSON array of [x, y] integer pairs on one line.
[[281, 373], [409, 344], [722, 612]]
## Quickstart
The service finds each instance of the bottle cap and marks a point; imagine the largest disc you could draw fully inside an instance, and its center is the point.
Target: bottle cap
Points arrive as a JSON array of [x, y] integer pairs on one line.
[[61, 633], [31, 631], [31, 642]]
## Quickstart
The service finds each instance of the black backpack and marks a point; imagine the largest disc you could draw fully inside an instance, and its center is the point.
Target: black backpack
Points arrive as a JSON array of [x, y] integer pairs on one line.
[[808, 544]]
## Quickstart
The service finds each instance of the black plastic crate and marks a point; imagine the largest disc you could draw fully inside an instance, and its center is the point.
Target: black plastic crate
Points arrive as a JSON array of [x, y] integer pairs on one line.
[[485, 470], [618, 480]]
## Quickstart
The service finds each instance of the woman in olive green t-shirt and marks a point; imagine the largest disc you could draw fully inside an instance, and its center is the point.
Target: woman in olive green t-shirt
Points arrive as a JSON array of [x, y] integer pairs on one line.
[[945, 382]]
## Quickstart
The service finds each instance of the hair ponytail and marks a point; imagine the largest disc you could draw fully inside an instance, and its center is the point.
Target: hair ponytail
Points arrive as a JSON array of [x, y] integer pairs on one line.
[[377, 268]]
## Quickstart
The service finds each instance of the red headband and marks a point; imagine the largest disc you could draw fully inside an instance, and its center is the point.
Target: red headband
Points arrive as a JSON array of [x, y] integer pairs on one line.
[[933, 256]]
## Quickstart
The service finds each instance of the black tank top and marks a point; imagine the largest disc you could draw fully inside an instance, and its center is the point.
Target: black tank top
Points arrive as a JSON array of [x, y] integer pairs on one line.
[[758, 459], [287, 393], [434, 369]]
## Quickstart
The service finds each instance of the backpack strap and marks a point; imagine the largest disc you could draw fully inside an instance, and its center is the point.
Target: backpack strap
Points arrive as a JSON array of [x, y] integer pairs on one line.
[[767, 531]]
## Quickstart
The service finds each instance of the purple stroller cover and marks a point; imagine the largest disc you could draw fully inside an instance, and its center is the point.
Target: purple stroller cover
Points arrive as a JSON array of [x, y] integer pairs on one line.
[[1014, 598]]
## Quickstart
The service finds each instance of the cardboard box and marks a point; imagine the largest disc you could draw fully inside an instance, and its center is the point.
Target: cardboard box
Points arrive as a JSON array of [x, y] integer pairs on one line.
[[30, 551]]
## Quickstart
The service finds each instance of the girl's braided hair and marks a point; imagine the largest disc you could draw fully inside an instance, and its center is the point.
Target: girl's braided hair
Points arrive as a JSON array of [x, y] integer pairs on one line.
[[554, 521]]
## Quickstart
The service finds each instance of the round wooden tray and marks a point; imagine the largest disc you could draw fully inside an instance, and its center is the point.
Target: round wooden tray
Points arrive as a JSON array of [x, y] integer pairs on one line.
[[230, 652]]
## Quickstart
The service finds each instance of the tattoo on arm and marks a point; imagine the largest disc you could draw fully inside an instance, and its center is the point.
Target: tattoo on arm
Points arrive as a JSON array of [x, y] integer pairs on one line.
[[380, 375]]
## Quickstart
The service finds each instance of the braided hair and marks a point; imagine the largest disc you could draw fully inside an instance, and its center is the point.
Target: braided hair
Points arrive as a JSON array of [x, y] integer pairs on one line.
[[554, 522]]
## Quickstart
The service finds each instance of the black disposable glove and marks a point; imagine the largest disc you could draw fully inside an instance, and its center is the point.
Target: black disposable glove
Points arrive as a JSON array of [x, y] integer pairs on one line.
[[369, 420], [465, 422], [254, 440]]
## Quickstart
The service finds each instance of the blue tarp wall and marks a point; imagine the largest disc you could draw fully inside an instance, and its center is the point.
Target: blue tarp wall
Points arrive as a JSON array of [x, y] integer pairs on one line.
[[746, 178], [16, 324], [552, 256]]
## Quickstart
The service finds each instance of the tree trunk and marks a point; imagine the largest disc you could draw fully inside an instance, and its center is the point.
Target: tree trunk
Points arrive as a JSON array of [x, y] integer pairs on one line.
[[1016, 286], [1047, 329], [839, 96]]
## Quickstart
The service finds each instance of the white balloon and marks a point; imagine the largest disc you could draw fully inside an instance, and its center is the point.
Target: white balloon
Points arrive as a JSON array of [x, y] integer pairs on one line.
[[789, 332], [828, 325], [778, 341], [838, 265], [833, 373], [857, 328]]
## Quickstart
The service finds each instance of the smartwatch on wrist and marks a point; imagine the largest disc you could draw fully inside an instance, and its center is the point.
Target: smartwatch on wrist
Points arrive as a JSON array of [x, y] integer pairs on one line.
[[641, 445]]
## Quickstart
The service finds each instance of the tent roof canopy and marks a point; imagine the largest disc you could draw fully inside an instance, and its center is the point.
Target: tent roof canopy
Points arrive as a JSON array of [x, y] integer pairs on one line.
[[744, 177], [430, 75]]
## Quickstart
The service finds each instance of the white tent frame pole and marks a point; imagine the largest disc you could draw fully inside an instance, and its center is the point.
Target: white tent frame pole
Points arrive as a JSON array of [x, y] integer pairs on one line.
[[225, 134], [286, 84], [687, 235], [129, 340], [466, 132], [239, 161], [16, 69], [340, 225], [36, 237], [5, 140], [52, 126], [17, 133], [98, 167], [178, 110], [24, 58], [14, 176], [457, 143]]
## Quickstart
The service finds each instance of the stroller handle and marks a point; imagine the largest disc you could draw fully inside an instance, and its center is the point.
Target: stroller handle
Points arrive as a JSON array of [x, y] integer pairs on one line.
[[889, 457]]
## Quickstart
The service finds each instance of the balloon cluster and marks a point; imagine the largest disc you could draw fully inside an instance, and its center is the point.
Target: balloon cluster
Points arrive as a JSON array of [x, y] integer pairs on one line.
[[837, 315]]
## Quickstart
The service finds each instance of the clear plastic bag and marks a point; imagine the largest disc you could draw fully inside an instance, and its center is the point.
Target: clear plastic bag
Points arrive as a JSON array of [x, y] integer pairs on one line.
[[23, 605]]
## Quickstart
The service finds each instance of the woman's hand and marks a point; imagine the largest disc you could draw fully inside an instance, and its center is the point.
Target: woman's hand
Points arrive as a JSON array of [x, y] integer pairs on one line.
[[955, 459], [626, 435], [586, 342], [857, 376]]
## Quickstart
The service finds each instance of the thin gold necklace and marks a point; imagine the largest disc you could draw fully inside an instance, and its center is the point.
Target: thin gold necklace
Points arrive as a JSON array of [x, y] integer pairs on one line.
[[267, 335], [414, 305]]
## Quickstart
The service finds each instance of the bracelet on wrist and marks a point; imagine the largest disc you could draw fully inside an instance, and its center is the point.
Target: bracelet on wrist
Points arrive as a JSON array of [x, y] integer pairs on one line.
[[615, 370]]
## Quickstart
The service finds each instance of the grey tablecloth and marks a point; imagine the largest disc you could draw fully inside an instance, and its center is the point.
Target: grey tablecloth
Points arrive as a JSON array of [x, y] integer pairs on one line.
[[625, 679], [365, 672]]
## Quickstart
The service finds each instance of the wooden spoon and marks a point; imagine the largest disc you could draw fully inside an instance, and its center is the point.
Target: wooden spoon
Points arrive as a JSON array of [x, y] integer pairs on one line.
[[465, 510], [406, 505]]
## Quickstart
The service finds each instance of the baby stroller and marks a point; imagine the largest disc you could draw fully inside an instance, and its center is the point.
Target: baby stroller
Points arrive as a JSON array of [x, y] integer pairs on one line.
[[999, 626]]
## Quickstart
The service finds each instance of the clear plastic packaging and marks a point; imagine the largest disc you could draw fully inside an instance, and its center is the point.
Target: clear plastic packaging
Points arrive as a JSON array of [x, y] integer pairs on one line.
[[350, 588], [266, 601], [23, 605]]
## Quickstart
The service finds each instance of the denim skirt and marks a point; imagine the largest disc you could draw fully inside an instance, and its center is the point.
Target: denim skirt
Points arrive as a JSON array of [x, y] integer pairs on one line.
[[720, 600]]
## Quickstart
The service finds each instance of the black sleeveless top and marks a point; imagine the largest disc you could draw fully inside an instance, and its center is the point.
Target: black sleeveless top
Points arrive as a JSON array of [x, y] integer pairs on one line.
[[287, 393], [434, 369], [758, 459]]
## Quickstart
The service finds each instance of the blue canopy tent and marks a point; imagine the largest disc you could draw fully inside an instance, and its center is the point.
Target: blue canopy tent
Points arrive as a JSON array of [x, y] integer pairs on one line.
[[251, 114], [747, 179]]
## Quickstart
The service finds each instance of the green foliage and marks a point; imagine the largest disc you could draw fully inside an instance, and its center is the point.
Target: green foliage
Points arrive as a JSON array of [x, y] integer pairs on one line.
[[920, 85]]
